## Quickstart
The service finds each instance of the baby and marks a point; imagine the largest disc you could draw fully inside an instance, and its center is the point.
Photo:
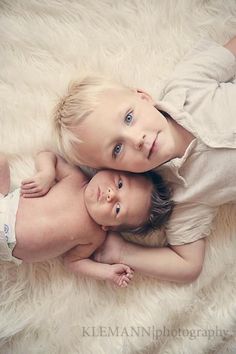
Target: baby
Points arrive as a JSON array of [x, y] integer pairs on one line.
[[60, 212]]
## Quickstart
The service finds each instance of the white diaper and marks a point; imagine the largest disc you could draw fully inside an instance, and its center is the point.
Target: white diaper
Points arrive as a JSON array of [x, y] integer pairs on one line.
[[8, 210]]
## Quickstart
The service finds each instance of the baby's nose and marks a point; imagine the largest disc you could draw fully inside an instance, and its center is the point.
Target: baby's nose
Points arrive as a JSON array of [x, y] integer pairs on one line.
[[110, 194]]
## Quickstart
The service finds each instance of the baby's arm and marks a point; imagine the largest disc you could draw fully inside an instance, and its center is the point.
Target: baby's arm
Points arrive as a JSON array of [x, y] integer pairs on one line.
[[4, 175], [231, 45], [119, 274], [77, 261], [50, 168], [43, 180]]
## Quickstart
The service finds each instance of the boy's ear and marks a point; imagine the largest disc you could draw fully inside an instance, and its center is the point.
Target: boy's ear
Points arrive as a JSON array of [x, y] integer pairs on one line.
[[145, 96], [105, 228], [108, 228]]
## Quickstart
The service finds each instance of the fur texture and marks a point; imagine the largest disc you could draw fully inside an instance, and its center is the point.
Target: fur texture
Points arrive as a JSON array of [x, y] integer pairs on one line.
[[43, 309]]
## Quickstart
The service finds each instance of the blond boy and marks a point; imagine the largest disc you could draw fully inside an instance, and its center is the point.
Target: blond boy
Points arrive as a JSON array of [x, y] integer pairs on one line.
[[189, 134]]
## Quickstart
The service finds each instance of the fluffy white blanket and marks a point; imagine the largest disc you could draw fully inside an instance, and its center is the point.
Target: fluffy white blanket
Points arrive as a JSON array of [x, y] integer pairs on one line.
[[43, 309]]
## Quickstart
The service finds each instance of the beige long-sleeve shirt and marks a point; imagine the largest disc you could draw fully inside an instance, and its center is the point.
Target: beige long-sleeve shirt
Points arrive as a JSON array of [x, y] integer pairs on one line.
[[201, 96]]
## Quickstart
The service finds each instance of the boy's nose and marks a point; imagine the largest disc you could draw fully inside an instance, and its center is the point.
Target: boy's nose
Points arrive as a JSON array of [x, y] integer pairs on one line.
[[140, 142], [110, 194]]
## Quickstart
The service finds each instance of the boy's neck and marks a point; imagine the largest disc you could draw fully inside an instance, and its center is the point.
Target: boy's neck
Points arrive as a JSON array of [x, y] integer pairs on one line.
[[182, 137]]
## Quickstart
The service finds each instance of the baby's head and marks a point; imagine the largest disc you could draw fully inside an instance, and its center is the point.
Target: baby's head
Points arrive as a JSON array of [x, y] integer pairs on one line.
[[122, 201], [103, 124]]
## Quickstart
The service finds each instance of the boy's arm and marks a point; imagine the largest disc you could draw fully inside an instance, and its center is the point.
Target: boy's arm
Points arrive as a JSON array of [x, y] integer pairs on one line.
[[174, 263], [208, 62], [4, 175], [231, 46]]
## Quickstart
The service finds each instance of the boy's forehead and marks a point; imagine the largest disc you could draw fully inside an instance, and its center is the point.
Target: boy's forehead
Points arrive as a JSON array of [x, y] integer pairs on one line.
[[116, 97]]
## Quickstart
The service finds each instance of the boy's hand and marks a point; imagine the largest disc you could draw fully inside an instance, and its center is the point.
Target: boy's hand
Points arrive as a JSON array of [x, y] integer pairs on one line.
[[120, 274], [38, 185]]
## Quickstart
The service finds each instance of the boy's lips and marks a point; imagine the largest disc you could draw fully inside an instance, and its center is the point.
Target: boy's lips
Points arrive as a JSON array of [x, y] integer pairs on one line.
[[98, 193], [152, 147]]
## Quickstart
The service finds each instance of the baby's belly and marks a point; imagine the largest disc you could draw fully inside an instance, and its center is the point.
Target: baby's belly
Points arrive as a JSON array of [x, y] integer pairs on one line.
[[40, 233]]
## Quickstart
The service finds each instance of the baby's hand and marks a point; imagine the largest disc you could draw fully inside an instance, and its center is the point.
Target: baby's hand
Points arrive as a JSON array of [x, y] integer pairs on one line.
[[37, 186], [120, 275]]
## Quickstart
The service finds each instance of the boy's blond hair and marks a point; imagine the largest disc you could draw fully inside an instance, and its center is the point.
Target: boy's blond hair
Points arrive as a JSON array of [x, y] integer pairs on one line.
[[80, 101]]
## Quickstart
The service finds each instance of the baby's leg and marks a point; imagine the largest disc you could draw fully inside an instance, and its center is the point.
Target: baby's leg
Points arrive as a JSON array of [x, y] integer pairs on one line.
[[4, 175]]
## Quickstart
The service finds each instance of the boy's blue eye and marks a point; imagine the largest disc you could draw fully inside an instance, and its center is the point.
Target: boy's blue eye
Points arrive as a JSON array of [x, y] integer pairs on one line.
[[129, 118], [120, 184], [116, 151], [117, 208]]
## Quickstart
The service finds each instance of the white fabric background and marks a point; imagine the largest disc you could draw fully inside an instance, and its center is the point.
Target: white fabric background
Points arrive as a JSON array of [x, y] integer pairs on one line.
[[43, 45]]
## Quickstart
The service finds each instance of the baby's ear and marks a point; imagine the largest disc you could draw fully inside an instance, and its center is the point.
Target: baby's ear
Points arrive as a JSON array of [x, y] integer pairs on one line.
[[145, 96]]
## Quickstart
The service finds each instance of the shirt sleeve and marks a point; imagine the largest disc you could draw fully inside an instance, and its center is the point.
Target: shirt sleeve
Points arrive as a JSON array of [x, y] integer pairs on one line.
[[207, 61], [189, 223]]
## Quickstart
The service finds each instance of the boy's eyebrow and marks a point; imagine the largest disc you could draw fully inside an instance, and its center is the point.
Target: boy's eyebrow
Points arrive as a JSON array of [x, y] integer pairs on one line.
[[123, 112]]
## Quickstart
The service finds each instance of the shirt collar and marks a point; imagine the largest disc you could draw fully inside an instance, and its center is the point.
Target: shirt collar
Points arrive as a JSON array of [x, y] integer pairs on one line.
[[175, 165], [173, 104], [172, 101]]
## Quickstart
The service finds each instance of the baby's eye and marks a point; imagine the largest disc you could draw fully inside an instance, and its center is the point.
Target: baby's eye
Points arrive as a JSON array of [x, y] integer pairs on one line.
[[129, 118], [116, 151], [117, 208], [120, 184]]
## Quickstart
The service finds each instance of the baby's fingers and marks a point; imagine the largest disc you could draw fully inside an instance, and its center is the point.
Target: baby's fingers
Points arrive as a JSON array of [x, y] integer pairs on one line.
[[28, 186], [31, 194], [130, 275], [27, 180], [123, 281], [27, 190], [126, 278], [124, 284]]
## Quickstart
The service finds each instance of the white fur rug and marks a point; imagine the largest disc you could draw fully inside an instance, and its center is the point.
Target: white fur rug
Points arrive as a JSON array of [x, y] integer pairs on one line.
[[43, 309]]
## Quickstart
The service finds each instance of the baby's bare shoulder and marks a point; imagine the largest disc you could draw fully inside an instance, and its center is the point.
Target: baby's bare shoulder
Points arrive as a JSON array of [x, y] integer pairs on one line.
[[90, 232], [93, 237]]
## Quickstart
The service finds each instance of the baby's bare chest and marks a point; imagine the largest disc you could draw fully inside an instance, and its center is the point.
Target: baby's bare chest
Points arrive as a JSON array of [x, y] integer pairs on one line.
[[48, 227]]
